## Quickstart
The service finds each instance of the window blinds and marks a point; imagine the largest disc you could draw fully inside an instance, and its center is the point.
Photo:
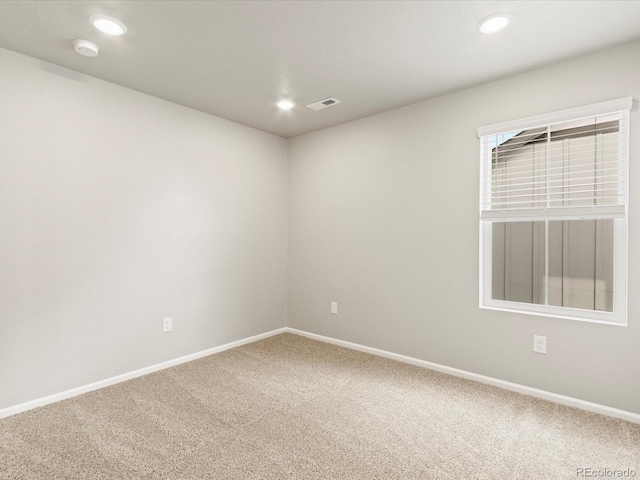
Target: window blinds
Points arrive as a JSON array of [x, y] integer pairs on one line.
[[570, 165]]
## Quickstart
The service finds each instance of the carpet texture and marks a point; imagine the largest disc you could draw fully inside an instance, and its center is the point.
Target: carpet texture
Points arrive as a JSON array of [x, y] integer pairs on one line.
[[291, 407]]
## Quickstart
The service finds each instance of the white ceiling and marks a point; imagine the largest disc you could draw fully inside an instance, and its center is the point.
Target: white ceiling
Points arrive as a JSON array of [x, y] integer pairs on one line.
[[235, 59]]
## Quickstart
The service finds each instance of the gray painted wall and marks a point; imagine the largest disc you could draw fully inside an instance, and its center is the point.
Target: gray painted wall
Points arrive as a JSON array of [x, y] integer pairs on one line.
[[118, 209], [383, 219]]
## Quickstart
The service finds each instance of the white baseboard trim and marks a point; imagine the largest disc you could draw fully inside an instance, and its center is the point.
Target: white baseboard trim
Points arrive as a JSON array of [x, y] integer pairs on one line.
[[514, 387], [56, 397]]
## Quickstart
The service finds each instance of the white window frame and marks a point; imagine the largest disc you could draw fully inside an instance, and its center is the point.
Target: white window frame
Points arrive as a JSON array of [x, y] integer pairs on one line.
[[619, 315]]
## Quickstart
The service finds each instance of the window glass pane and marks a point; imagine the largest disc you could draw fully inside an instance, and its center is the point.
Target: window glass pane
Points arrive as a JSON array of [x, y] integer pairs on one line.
[[555, 263], [518, 177], [518, 261], [581, 264], [584, 162]]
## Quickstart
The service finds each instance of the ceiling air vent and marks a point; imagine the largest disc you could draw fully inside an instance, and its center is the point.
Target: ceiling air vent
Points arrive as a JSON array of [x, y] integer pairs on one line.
[[326, 103]]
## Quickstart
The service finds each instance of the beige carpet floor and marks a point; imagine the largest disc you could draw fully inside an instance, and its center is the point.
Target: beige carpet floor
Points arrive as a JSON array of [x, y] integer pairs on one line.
[[290, 407]]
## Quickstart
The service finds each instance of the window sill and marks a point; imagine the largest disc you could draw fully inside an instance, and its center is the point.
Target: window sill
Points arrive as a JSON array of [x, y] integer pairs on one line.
[[604, 318]]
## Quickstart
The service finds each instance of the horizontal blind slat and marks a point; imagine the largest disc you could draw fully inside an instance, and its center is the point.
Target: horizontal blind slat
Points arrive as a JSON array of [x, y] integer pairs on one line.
[[567, 190], [519, 157], [533, 185], [561, 213], [553, 172]]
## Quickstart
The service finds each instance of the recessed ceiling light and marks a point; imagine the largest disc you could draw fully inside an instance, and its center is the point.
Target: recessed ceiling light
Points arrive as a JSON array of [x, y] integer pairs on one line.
[[86, 48], [108, 25], [285, 104], [493, 23]]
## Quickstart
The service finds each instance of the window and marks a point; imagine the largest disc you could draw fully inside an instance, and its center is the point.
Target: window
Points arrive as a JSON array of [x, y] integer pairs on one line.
[[553, 214]]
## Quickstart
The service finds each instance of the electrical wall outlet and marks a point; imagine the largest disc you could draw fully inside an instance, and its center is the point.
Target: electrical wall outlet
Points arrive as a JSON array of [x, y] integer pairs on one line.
[[334, 308], [167, 324], [539, 344]]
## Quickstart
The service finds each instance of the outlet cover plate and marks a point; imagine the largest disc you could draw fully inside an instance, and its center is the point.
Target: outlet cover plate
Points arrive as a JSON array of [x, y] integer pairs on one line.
[[167, 324], [540, 344]]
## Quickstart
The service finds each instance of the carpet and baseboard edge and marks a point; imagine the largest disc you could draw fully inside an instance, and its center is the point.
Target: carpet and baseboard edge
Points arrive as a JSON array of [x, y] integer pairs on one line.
[[514, 387], [74, 392]]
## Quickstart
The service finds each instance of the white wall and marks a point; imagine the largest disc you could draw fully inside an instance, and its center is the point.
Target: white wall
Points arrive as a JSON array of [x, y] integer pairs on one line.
[[383, 219], [118, 209]]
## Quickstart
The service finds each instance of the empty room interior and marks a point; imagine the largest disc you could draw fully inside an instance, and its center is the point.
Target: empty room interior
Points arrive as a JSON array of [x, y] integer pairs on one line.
[[319, 239]]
